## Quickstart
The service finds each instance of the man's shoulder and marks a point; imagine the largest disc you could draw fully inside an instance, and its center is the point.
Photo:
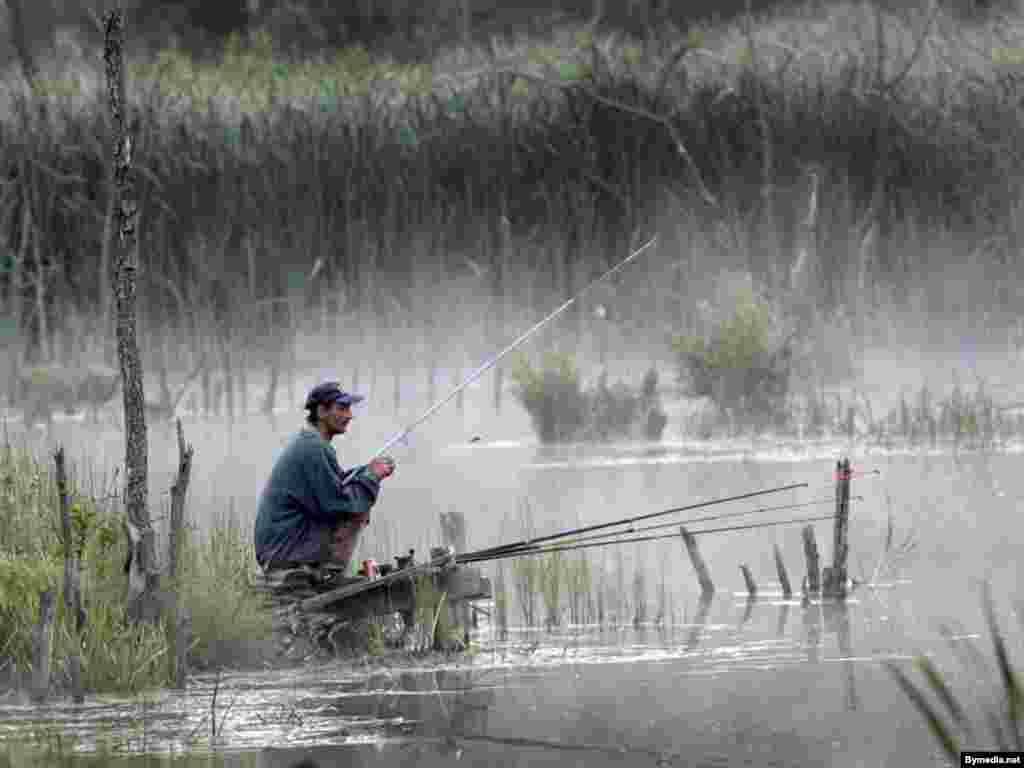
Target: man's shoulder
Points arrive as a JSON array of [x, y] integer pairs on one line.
[[304, 442]]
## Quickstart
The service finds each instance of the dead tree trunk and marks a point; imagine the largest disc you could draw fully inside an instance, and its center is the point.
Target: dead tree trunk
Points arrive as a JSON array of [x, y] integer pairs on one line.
[[182, 620], [143, 577], [72, 581]]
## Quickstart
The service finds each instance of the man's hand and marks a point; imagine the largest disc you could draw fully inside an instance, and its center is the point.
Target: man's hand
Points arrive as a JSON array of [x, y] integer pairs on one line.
[[382, 467]]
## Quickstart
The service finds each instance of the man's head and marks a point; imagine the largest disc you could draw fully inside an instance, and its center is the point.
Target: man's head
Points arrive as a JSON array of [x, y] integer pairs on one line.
[[329, 409]]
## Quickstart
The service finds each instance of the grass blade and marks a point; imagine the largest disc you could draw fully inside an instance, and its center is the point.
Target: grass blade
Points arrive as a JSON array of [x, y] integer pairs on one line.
[[935, 723], [942, 690], [1014, 696]]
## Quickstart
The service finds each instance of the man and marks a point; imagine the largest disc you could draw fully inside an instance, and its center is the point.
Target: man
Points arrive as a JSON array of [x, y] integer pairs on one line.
[[306, 515]]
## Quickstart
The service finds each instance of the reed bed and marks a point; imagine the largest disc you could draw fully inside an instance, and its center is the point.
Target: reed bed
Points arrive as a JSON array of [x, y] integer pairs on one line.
[[333, 188]]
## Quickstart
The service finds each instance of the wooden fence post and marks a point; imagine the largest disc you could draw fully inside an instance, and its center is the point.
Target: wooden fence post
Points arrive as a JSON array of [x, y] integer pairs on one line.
[[73, 615]]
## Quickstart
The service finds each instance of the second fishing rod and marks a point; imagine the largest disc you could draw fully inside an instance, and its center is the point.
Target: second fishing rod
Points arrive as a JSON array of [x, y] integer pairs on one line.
[[531, 544]]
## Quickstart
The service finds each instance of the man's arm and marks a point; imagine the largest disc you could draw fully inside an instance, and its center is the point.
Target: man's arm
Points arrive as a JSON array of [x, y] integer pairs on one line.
[[335, 502]]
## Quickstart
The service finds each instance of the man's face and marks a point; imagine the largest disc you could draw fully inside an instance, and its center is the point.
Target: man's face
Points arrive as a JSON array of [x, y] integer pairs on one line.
[[337, 418]]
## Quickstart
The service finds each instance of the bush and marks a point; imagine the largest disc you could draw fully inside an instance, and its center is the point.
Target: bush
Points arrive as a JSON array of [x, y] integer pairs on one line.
[[552, 396], [742, 364], [561, 410]]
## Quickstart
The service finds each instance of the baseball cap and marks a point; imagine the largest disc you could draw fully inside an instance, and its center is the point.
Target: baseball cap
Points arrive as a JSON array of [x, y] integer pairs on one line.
[[330, 393]]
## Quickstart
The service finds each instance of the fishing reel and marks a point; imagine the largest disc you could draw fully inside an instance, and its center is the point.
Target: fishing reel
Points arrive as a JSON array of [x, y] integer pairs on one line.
[[401, 563]]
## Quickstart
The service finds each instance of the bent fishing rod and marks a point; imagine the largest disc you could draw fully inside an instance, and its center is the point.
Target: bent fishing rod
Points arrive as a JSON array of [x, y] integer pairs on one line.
[[529, 544], [488, 364]]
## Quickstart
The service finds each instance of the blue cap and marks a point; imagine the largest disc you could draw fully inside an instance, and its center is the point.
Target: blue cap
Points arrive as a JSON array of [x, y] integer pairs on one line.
[[330, 393]]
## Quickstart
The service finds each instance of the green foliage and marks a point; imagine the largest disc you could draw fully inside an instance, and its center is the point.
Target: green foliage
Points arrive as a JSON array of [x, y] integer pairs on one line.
[[21, 581], [117, 655], [562, 411], [551, 395], [431, 617], [226, 614], [737, 364], [374, 639], [253, 74]]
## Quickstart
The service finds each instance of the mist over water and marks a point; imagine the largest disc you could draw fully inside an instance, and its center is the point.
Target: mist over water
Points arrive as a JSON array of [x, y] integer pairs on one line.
[[768, 682]]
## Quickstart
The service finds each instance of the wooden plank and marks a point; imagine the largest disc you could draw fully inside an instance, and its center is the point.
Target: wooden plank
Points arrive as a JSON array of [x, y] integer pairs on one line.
[[320, 602]]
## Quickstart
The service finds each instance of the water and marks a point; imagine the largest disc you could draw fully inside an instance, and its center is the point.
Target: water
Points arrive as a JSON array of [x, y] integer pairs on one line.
[[769, 682]]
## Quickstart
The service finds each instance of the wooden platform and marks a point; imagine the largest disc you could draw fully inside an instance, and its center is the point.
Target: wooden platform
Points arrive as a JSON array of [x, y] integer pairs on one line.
[[319, 598]]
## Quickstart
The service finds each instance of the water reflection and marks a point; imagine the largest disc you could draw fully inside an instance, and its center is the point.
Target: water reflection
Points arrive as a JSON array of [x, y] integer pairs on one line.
[[748, 609], [699, 621], [836, 615], [812, 625], [780, 629]]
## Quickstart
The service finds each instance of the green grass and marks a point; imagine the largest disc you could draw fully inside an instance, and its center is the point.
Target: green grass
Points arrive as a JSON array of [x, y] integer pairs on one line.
[[551, 587], [950, 718], [117, 655]]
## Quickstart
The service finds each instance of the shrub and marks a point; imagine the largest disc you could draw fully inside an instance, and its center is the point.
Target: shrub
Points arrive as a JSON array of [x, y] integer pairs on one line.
[[740, 363], [552, 396], [561, 410]]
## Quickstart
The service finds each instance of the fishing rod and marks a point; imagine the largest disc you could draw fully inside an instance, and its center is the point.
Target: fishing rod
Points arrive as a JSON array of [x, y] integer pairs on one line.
[[462, 559], [532, 543], [488, 364], [708, 518]]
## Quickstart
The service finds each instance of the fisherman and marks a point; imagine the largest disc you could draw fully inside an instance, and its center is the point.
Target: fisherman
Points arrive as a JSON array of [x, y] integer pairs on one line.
[[311, 512]]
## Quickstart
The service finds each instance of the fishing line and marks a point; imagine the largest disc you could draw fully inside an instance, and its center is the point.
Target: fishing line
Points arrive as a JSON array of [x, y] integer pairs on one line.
[[490, 363], [543, 550]]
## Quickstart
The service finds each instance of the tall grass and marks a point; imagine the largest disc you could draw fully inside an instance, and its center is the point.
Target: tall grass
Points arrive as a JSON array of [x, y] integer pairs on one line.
[[262, 166], [117, 655]]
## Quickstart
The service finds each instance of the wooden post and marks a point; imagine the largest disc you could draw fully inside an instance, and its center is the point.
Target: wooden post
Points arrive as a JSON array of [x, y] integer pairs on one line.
[[181, 619], [836, 585], [749, 579], [706, 586], [72, 580], [787, 590], [811, 553], [41, 642]]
